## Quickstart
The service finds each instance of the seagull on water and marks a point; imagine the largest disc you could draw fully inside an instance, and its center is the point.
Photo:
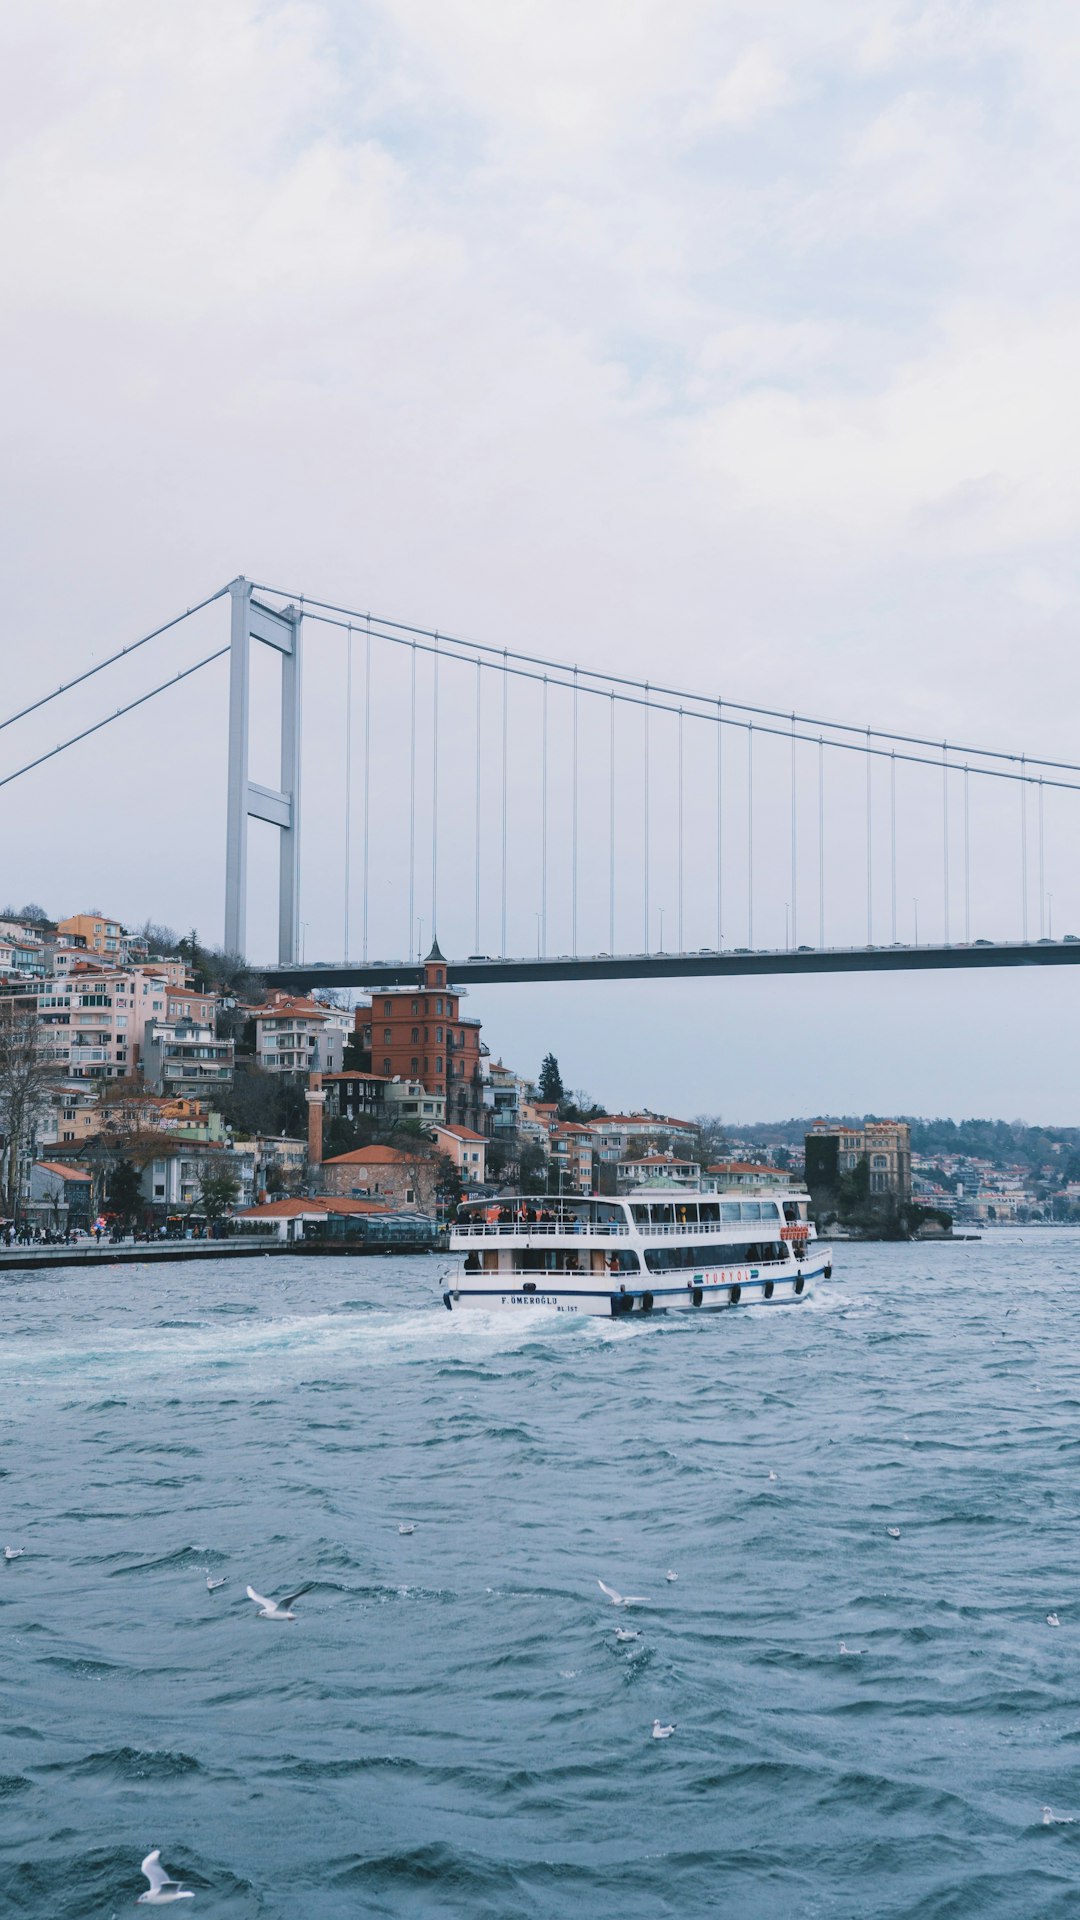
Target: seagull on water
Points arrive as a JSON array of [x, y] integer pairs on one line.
[[1052, 1620], [212, 1585], [893, 1533], [406, 1527], [660, 1732], [671, 1576], [772, 1475], [1052, 1819], [853, 1650], [622, 1599], [627, 1633], [278, 1609], [14, 1553], [163, 1891]]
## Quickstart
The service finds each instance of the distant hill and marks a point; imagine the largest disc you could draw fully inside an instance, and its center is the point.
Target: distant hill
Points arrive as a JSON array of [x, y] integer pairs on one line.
[[1001, 1142]]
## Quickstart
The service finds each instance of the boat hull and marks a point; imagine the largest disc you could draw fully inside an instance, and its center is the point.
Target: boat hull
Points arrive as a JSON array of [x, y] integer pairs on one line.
[[705, 1293]]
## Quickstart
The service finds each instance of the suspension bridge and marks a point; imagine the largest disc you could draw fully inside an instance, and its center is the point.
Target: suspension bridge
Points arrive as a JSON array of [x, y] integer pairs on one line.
[[544, 820]]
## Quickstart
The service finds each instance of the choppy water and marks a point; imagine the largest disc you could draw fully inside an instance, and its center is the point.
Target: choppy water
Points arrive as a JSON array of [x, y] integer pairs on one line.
[[450, 1727]]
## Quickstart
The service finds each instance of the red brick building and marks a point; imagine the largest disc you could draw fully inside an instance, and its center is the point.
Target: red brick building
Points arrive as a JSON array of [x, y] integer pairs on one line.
[[419, 1033]]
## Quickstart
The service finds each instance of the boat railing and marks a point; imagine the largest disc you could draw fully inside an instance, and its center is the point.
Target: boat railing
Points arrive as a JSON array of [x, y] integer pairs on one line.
[[712, 1230], [610, 1229], [561, 1229]]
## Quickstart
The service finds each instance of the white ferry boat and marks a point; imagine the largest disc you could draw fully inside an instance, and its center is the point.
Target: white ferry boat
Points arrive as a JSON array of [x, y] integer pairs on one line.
[[648, 1251]]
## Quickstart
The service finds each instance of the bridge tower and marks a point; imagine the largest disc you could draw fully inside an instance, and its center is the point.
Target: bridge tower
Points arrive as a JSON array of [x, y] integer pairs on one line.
[[251, 620]]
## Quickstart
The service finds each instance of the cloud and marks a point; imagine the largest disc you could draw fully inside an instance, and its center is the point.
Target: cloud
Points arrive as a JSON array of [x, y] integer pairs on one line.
[[755, 85], [744, 331]]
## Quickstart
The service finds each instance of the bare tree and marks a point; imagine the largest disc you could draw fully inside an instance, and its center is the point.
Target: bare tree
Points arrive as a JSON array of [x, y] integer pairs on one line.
[[28, 1073]]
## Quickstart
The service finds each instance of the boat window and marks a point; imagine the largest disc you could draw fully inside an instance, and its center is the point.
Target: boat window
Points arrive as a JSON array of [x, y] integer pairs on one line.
[[752, 1253], [623, 1262], [749, 1209], [641, 1216], [729, 1212], [686, 1213], [709, 1213], [770, 1210], [608, 1213], [662, 1215], [791, 1209]]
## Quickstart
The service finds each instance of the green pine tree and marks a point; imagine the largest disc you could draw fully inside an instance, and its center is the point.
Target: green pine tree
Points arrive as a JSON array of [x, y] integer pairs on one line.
[[551, 1086]]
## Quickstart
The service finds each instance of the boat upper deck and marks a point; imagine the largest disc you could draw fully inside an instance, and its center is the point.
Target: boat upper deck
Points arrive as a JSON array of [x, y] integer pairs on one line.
[[676, 1214]]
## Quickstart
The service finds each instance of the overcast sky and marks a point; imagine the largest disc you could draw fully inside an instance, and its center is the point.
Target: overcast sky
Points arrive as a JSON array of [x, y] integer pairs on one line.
[[733, 341]]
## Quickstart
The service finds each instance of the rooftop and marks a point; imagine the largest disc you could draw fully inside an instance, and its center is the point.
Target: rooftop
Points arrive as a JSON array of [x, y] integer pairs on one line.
[[372, 1157], [292, 1207]]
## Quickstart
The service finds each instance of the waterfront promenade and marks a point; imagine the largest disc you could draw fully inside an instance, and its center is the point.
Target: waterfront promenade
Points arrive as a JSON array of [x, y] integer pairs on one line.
[[143, 1253]]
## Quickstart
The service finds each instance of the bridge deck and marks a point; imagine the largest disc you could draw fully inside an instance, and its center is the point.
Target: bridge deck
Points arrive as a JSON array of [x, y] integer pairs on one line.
[[668, 966]]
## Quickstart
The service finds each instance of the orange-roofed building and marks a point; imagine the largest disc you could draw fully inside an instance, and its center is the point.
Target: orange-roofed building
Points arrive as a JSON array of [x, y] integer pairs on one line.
[[94, 932], [59, 1196], [731, 1176], [572, 1149], [294, 1204], [386, 1174], [467, 1149], [328, 1221]]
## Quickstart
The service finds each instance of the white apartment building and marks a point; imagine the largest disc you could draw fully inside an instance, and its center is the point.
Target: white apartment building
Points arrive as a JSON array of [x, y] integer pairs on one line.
[[183, 1058], [298, 1035], [616, 1135]]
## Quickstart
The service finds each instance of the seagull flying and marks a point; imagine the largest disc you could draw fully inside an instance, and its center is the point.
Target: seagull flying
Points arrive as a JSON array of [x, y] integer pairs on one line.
[[163, 1891], [660, 1732], [212, 1585], [627, 1633], [406, 1527], [622, 1599], [1052, 1620], [893, 1533], [14, 1553], [278, 1609]]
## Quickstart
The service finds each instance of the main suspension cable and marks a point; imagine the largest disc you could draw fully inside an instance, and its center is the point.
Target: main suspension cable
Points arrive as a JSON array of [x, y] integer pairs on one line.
[[400, 627], [112, 659], [858, 744], [184, 674]]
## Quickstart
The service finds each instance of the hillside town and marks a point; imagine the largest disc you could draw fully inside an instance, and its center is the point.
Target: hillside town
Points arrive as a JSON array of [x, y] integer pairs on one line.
[[148, 1084]]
